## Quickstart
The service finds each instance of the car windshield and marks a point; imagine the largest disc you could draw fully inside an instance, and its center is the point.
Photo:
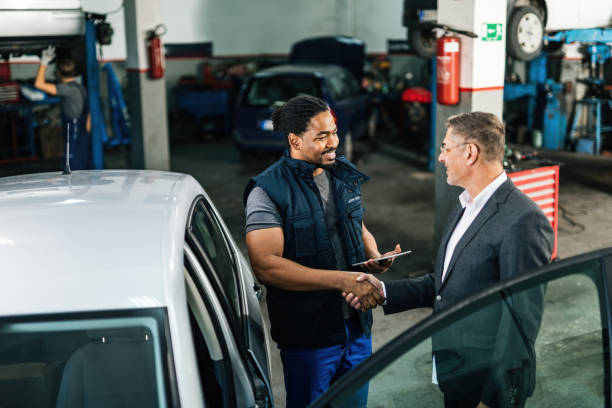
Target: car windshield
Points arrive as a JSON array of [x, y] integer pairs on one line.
[[98, 359], [264, 91]]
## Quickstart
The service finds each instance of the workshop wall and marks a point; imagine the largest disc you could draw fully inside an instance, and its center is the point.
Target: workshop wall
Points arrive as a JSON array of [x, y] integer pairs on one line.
[[241, 32], [263, 27]]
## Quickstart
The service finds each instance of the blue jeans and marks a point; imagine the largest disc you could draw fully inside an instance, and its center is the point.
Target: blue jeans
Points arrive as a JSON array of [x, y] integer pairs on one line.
[[310, 372]]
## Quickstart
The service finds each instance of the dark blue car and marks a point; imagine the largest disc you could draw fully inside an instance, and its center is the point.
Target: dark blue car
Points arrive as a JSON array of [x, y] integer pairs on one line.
[[335, 84]]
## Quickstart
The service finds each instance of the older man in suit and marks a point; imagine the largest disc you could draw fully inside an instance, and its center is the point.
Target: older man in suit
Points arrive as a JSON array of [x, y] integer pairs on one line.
[[495, 233]]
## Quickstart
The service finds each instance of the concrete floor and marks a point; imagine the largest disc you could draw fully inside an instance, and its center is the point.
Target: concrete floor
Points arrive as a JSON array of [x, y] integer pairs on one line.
[[398, 201], [399, 209]]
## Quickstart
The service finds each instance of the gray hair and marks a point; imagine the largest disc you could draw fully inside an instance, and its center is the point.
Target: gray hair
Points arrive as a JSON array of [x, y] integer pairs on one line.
[[482, 128]]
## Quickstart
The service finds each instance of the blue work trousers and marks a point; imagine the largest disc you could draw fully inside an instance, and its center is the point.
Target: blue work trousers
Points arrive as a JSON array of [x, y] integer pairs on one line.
[[310, 372], [80, 151]]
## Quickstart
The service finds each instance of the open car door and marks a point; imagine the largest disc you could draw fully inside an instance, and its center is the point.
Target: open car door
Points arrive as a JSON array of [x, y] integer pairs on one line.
[[552, 345]]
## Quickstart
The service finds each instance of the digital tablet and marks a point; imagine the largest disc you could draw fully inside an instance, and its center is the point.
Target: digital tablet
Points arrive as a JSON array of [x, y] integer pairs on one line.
[[382, 258]]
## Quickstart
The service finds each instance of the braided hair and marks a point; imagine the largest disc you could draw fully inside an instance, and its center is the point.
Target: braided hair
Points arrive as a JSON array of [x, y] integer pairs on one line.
[[294, 116]]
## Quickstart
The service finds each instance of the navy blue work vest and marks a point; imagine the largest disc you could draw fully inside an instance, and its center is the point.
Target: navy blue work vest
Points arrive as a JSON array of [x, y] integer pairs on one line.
[[312, 319]]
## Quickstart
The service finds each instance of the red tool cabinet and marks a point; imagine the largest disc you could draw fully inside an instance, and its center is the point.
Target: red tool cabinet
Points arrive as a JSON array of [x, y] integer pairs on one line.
[[542, 186]]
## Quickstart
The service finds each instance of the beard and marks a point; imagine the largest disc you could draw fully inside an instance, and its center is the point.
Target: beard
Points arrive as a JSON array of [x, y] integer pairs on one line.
[[321, 164], [329, 166]]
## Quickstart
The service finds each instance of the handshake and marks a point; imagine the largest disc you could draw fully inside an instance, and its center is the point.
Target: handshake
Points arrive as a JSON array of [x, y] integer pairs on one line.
[[363, 291]]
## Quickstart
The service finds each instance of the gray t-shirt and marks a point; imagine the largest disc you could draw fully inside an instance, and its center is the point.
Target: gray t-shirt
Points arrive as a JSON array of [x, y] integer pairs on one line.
[[261, 213], [72, 99], [323, 182]]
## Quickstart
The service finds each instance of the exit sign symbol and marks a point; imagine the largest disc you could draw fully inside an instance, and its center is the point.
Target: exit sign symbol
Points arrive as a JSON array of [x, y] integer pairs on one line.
[[492, 32]]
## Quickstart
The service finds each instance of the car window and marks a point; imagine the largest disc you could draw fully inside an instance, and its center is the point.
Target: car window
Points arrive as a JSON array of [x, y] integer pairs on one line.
[[213, 362], [218, 340], [543, 340], [211, 240], [265, 91], [94, 359], [337, 87], [342, 85], [351, 84]]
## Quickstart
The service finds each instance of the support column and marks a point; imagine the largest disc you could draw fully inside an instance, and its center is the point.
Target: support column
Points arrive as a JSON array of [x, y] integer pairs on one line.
[[146, 98], [483, 61]]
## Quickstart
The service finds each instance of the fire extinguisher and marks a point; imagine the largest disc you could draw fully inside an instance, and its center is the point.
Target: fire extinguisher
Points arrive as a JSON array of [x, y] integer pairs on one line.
[[157, 63], [447, 75]]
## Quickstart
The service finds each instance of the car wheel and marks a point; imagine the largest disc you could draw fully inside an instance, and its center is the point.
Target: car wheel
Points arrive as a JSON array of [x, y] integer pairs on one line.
[[349, 146], [422, 41], [525, 33]]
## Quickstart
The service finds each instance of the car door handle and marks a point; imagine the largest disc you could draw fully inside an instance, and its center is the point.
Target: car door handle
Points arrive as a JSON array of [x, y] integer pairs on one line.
[[258, 291]]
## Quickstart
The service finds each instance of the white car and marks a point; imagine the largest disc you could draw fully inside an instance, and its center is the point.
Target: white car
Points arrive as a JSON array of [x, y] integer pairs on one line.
[[29, 26], [124, 289], [528, 22]]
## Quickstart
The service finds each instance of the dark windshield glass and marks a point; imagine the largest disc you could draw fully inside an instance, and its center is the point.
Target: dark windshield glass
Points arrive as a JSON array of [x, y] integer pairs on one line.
[[264, 91], [105, 360]]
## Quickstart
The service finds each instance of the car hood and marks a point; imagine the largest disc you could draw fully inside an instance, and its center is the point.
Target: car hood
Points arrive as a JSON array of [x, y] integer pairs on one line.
[[347, 52]]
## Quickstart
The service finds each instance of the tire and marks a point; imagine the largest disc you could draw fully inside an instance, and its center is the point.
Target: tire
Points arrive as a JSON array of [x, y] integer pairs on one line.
[[422, 41], [349, 146], [525, 33]]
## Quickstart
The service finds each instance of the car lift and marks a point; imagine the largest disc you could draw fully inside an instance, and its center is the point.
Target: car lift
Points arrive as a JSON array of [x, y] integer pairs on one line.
[[597, 42], [540, 88], [554, 121], [119, 113], [119, 117]]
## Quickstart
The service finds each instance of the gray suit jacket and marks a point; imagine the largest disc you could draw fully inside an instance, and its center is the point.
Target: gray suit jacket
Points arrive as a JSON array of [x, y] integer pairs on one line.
[[510, 236]]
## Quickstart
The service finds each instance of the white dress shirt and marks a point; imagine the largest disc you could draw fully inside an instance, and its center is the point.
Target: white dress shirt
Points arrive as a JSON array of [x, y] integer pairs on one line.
[[472, 209]]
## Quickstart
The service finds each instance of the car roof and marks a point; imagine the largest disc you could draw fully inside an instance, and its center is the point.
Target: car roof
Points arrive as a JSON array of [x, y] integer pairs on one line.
[[92, 240], [320, 69]]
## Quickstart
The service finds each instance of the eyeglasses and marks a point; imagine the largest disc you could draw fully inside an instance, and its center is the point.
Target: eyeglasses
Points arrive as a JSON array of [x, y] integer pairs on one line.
[[445, 149]]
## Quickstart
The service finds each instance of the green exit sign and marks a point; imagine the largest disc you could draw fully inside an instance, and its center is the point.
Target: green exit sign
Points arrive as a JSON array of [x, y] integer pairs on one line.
[[492, 32]]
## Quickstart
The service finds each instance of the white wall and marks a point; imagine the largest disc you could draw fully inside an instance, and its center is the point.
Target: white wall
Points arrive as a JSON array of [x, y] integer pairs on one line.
[[238, 27]]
